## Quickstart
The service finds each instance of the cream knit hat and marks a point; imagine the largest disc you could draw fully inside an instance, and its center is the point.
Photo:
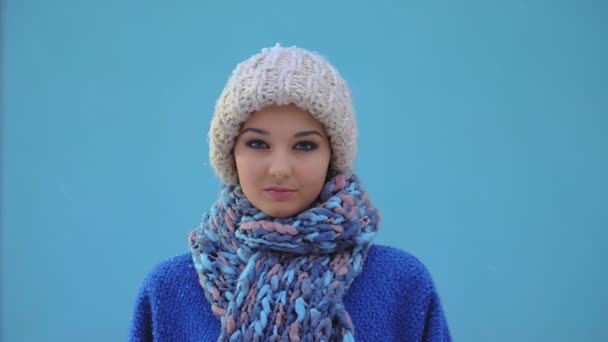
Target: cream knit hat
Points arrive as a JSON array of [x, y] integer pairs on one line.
[[283, 75]]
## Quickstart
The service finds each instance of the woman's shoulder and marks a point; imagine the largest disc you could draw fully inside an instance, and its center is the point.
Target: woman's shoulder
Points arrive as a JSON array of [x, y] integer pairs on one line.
[[396, 268], [395, 292], [171, 271], [171, 304], [393, 254], [393, 258]]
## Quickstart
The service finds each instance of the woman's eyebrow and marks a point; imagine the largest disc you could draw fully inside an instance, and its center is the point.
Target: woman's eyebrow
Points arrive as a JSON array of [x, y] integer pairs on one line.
[[256, 130], [264, 132], [305, 133]]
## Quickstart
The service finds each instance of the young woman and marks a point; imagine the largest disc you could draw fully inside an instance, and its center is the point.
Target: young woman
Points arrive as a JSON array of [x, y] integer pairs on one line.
[[286, 254]]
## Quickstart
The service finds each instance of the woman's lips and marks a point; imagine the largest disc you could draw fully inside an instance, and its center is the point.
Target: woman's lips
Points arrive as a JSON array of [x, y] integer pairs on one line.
[[279, 193]]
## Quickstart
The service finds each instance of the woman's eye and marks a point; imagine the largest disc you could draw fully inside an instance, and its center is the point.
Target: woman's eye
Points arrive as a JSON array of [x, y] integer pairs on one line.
[[257, 144], [306, 146]]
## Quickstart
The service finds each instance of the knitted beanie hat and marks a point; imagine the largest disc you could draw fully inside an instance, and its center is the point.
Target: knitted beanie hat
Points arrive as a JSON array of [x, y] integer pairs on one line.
[[280, 76]]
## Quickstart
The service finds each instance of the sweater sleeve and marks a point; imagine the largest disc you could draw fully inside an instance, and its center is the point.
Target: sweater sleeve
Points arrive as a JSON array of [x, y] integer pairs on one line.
[[422, 316], [141, 320], [435, 326]]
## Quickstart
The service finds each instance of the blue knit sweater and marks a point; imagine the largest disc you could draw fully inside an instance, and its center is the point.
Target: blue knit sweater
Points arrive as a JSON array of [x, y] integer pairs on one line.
[[393, 299]]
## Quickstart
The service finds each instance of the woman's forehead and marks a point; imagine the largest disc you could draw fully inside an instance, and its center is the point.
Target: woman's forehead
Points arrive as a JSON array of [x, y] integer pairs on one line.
[[283, 117]]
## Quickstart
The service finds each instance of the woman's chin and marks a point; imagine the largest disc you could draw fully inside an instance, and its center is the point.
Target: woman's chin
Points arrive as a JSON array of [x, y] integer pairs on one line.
[[281, 210]]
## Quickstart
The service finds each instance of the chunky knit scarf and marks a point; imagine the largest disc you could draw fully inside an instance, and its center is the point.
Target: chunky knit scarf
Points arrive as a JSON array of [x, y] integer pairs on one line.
[[283, 279]]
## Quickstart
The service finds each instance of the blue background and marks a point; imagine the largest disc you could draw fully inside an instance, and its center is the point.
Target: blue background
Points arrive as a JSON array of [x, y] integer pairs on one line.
[[483, 131]]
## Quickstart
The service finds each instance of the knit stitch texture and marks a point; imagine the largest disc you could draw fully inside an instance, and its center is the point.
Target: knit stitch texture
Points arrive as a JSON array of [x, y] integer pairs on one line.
[[392, 299], [272, 279], [280, 76]]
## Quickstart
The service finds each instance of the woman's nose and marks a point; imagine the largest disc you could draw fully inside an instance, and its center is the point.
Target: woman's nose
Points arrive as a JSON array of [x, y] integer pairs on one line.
[[280, 165]]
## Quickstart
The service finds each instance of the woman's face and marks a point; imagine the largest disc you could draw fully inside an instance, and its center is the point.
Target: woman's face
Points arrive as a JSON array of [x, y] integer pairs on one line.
[[282, 155]]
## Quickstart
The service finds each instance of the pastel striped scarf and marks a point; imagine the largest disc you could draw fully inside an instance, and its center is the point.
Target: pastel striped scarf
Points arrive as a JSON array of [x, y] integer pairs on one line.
[[283, 279]]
